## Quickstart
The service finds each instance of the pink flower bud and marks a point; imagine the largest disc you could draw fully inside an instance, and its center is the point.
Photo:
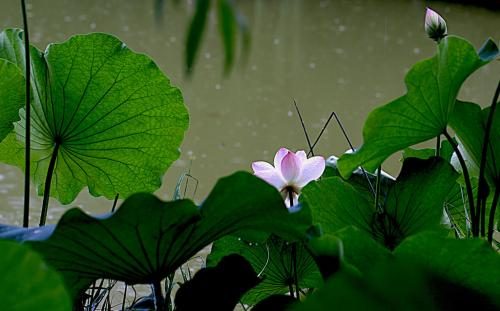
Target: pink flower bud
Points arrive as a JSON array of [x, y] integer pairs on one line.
[[435, 25]]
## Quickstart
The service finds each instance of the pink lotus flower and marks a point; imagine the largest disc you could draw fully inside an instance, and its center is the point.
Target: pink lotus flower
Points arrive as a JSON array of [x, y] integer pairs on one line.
[[290, 173], [435, 26]]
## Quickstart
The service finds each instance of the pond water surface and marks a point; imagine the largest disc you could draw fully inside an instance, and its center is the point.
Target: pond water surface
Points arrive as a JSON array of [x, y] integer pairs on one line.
[[343, 56]]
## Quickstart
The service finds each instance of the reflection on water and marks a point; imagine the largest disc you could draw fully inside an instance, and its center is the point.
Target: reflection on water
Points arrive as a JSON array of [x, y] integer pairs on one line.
[[347, 56]]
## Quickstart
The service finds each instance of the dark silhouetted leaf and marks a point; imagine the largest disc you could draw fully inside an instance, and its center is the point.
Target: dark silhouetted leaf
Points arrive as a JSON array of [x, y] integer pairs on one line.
[[395, 284], [272, 259], [219, 287], [468, 263]]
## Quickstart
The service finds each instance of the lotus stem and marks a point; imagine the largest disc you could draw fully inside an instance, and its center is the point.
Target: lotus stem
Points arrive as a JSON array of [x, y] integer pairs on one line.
[[294, 258], [491, 221], [48, 181], [295, 274], [468, 185], [438, 145], [378, 208], [27, 143], [482, 190]]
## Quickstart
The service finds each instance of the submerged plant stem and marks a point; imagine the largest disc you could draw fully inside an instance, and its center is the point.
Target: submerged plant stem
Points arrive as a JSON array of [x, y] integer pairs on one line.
[[27, 144], [159, 299], [48, 181], [482, 190], [468, 186], [493, 208]]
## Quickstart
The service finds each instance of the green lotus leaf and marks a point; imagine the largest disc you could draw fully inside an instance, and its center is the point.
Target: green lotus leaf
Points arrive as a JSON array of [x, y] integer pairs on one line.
[[147, 239], [469, 122], [110, 114], [360, 249], [27, 282], [414, 203], [12, 95], [424, 112]]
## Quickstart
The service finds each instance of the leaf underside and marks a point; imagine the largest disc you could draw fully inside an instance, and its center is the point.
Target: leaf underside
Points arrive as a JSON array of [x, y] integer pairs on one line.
[[147, 239]]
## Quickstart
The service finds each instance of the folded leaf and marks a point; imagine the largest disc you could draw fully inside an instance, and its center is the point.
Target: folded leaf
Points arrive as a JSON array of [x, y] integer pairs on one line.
[[424, 112]]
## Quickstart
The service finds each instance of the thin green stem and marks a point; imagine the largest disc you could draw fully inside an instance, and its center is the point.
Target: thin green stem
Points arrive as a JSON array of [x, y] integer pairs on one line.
[[468, 185], [482, 217], [48, 181], [378, 208], [159, 299], [438, 145], [294, 257], [27, 144], [295, 274], [482, 185], [113, 208], [493, 208]]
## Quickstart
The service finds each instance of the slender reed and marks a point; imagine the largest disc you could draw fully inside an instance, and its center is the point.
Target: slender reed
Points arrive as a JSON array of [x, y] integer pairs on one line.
[[304, 128], [352, 148]]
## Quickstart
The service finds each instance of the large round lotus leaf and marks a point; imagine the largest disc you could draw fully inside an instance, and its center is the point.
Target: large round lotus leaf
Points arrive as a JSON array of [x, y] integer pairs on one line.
[[27, 283], [115, 118]]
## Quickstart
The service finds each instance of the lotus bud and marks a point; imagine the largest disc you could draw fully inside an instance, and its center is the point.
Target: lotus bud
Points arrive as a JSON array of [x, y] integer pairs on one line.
[[435, 25]]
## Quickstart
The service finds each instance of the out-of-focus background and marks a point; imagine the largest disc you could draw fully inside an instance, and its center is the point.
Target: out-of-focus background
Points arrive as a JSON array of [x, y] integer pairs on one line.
[[345, 56]]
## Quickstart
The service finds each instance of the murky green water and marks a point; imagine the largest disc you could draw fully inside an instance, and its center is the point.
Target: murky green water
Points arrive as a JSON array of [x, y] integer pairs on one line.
[[343, 56]]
